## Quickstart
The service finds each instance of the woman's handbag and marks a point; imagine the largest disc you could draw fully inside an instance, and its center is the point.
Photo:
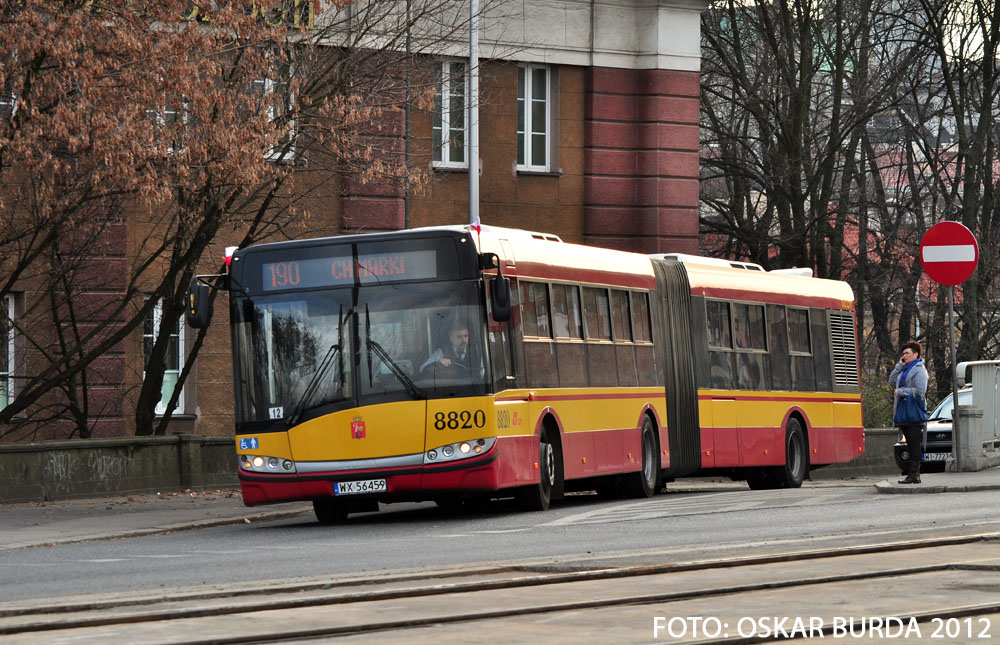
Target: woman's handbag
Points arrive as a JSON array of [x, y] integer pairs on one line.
[[910, 410]]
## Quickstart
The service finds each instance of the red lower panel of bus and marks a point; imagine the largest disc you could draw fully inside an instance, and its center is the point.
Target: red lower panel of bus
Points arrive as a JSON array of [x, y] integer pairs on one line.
[[747, 447], [585, 454]]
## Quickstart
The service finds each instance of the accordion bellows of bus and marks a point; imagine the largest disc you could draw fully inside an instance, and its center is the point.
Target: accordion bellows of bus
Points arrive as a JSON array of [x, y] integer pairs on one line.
[[459, 364]]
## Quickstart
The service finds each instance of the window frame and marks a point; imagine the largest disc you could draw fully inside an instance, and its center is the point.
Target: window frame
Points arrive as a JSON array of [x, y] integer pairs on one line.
[[277, 153], [11, 364], [524, 99], [441, 120], [160, 123], [809, 334], [157, 315], [8, 105], [729, 325]]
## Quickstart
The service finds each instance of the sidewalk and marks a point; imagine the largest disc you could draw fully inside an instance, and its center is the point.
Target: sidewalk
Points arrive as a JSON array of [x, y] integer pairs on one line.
[[80, 520], [64, 522], [988, 479]]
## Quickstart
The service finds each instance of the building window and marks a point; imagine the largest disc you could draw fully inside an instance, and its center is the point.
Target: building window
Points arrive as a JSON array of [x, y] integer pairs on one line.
[[277, 101], [8, 105], [168, 127], [7, 355], [448, 128], [173, 361], [533, 120]]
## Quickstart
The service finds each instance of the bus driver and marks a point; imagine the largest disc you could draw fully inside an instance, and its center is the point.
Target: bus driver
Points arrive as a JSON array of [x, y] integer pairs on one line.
[[456, 354]]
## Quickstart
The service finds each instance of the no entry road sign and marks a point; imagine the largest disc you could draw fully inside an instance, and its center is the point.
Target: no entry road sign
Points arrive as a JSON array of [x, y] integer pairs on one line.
[[949, 253]]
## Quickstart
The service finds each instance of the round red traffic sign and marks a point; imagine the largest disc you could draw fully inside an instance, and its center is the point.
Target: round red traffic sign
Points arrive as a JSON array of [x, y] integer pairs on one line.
[[949, 253]]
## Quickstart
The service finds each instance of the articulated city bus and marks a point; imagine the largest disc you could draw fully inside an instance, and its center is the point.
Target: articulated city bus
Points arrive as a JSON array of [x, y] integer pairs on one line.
[[458, 363]]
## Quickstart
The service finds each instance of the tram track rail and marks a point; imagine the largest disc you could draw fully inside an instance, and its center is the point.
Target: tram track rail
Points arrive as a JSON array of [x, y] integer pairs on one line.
[[500, 587]]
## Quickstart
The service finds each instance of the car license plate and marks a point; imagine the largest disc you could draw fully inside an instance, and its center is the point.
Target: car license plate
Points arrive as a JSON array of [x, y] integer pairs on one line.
[[359, 487], [936, 456]]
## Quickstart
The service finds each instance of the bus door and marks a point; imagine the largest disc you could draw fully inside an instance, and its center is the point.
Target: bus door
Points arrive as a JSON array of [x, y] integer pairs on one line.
[[725, 419]]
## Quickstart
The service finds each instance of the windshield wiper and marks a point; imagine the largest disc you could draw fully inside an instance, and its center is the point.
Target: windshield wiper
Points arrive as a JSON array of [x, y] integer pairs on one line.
[[314, 382], [333, 352], [384, 356]]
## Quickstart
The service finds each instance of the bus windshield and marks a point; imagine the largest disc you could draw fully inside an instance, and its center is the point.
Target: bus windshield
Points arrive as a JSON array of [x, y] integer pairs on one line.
[[302, 354]]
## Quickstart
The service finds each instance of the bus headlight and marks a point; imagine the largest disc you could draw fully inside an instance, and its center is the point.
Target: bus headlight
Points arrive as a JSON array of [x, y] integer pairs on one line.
[[265, 464], [460, 450]]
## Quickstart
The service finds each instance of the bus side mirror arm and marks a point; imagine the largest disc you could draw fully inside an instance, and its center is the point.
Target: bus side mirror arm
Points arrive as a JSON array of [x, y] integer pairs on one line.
[[499, 288], [198, 299]]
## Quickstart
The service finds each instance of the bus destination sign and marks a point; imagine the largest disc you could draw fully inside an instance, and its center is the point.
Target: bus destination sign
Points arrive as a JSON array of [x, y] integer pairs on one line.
[[341, 271]]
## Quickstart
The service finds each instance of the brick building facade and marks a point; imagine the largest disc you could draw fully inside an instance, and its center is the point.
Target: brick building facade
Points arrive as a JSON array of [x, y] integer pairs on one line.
[[611, 92]]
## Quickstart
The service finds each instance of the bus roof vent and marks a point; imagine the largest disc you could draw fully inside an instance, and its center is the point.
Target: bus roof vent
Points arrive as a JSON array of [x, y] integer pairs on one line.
[[803, 271], [548, 237], [685, 258]]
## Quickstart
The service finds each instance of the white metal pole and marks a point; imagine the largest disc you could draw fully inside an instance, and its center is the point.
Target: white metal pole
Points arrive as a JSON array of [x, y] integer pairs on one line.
[[474, 112]]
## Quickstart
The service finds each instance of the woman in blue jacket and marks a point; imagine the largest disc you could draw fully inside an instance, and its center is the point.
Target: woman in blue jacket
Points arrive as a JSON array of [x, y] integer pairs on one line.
[[909, 377]]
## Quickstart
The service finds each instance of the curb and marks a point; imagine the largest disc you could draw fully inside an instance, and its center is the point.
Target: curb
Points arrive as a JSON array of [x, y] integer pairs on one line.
[[167, 528], [920, 489]]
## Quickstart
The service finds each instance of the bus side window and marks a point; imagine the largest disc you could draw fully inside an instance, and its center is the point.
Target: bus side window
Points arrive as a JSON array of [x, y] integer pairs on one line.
[[539, 355], [600, 351], [778, 364], [566, 311], [719, 334], [621, 321], [529, 321], [800, 350], [645, 358]]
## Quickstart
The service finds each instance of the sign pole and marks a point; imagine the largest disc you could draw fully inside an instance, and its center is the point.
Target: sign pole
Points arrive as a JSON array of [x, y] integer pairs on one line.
[[949, 253], [955, 441]]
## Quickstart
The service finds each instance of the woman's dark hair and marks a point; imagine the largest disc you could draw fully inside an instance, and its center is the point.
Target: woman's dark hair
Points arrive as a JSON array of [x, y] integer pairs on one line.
[[914, 345]]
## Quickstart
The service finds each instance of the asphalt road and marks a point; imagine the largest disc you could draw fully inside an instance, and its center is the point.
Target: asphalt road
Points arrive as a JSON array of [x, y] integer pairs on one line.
[[659, 529]]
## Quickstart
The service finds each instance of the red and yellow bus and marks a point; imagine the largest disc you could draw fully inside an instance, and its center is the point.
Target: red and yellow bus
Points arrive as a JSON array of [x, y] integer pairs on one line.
[[461, 363]]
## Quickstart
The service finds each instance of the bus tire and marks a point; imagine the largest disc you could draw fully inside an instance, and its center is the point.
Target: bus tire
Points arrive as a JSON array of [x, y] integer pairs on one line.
[[796, 455], [330, 511], [537, 497], [643, 482]]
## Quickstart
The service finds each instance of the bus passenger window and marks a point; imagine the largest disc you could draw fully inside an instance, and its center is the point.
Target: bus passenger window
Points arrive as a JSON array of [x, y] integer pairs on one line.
[[720, 370], [601, 365], [750, 371], [757, 334], [540, 359], [620, 316], [640, 317], [626, 365], [798, 331], [597, 313], [535, 315], [718, 324], [566, 311], [741, 326]]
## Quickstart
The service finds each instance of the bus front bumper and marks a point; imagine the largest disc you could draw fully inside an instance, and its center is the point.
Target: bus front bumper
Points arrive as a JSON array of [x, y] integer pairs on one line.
[[419, 482]]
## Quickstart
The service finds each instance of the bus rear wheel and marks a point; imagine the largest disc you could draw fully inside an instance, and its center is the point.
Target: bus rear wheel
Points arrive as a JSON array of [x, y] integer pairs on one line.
[[796, 455], [643, 483], [537, 497], [330, 511]]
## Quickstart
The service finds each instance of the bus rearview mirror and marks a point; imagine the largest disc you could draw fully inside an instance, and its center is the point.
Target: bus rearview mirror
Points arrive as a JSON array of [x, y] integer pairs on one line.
[[196, 304], [500, 298]]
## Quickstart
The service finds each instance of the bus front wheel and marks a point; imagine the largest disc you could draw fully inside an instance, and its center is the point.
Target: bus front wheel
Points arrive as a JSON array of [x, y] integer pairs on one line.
[[537, 497]]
